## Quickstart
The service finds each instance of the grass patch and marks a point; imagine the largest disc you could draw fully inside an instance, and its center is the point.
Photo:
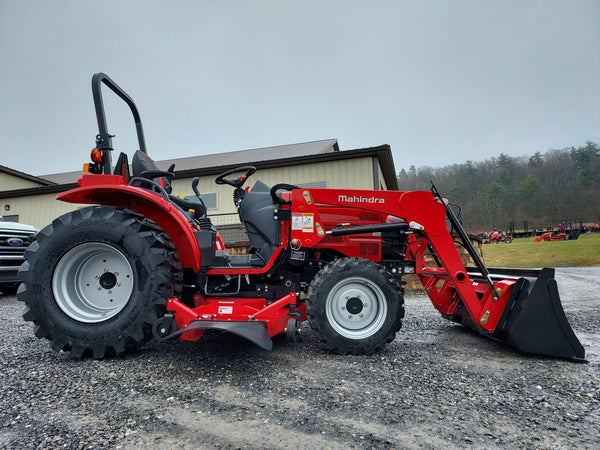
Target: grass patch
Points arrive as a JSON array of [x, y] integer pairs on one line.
[[523, 252]]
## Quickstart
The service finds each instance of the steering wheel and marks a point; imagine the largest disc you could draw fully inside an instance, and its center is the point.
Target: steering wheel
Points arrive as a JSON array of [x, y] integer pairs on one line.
[[238, 182], [281, 187]]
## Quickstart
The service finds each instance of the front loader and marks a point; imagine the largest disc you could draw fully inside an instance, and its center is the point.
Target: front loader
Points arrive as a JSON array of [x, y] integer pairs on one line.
[[141, 263]]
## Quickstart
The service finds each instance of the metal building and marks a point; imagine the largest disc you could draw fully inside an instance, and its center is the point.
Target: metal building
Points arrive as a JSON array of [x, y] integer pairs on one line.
[[31, 199]]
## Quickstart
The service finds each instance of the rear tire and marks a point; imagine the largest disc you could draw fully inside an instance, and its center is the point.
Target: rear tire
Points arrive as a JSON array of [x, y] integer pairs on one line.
[[354, 307], [97, 279]]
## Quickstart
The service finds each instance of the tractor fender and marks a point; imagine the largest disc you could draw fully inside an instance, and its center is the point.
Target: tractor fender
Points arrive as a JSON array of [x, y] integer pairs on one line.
[[142, 201]]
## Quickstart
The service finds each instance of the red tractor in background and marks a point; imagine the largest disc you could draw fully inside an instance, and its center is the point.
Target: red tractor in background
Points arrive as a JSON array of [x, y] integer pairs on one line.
[[141, 263], [551, 236], [497, 236]]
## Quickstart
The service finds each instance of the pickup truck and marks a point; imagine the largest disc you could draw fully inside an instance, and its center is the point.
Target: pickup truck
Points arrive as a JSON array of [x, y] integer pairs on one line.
[[14, 239]]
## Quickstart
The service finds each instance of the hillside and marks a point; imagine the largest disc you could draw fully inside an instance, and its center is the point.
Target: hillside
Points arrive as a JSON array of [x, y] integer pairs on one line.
[[541, 190]]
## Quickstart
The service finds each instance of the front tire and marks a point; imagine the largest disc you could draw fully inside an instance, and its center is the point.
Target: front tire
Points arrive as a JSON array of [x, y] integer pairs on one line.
[[97, 279], [354, 307]]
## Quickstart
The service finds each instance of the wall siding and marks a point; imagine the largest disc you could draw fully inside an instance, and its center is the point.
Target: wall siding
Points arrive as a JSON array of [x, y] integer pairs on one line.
[[10, 182], [40, 210]]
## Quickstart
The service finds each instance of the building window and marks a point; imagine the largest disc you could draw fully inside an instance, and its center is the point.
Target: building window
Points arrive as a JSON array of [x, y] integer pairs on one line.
[[210, 200], [316, 185]]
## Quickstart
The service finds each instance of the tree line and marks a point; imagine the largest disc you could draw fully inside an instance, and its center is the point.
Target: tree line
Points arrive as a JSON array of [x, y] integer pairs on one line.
[[537, 191]]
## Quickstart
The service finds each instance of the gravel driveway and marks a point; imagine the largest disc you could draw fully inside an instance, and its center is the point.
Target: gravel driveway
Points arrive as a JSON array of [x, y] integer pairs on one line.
[[437, 385]]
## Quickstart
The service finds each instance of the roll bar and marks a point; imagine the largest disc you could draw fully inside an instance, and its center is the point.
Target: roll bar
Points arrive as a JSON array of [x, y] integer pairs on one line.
[[104, 138]]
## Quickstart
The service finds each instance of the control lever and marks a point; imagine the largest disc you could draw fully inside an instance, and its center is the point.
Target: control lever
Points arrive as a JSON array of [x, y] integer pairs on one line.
[[195, 182]]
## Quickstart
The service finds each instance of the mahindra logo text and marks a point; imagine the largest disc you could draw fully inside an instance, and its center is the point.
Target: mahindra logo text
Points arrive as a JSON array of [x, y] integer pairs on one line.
[[355, 199]]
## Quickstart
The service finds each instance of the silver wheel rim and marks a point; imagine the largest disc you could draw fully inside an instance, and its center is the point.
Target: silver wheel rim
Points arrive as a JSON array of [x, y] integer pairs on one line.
[[92, 282], [356, 308]]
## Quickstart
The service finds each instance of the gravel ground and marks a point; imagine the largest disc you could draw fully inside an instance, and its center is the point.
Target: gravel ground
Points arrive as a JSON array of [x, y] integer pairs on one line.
[[437, 385]]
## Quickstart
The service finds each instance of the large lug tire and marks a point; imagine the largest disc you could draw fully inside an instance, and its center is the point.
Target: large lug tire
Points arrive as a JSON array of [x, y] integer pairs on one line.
[[354, 307], [97, 279]]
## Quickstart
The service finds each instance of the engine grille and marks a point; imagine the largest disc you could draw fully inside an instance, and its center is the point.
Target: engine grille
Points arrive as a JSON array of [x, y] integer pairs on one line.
[[13, 244]]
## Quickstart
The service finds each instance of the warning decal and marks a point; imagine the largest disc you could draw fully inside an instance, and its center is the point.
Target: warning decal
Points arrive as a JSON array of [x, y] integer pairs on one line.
[[296, 221], [304, 222], [308, 222], [225, 309]]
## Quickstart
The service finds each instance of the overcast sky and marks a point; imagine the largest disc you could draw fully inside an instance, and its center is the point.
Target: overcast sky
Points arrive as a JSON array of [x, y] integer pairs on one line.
[[441, 81]]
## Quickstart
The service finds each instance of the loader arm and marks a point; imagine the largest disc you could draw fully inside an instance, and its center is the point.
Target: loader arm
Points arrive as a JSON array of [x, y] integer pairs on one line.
[[425, 219]]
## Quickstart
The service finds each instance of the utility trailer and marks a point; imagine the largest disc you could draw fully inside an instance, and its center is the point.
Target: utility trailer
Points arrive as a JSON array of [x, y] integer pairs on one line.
[[141, 263]]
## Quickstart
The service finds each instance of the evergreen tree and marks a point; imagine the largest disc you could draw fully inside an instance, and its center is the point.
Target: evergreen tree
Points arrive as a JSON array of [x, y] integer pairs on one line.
[[542, 189]]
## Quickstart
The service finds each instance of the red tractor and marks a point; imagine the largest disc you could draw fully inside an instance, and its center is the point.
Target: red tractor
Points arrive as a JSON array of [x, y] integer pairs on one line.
[[551, 236], [141, 263], [497, 236]]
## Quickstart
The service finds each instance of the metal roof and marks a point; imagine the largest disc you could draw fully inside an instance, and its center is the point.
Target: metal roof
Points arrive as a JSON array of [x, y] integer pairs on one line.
[[252, 156], [219, 160], [25, 176], [262, 158]]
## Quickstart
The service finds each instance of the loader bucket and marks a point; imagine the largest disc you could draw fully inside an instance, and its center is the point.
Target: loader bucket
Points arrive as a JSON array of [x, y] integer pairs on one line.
[[533, 320]]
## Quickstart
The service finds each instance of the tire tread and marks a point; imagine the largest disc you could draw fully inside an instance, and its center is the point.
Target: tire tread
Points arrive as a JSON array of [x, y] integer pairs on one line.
[[151, 249], [316, 310]]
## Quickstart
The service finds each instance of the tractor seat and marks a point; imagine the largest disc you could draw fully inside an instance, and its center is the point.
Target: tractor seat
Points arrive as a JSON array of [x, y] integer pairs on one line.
[[141, 162], [193, 207]]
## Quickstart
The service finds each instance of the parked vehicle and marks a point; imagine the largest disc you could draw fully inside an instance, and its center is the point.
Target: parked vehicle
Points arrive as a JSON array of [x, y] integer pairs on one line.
[[142, 263], [551, 236], [497, 236], [14, 239]]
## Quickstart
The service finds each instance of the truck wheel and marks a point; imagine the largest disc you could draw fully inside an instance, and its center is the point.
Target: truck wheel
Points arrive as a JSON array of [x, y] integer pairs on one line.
[[97, 279], [353, 307], [9, 288]]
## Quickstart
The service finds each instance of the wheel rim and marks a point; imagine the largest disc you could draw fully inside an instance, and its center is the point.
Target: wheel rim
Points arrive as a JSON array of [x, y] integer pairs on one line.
[[92, 282], [356, 308]]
